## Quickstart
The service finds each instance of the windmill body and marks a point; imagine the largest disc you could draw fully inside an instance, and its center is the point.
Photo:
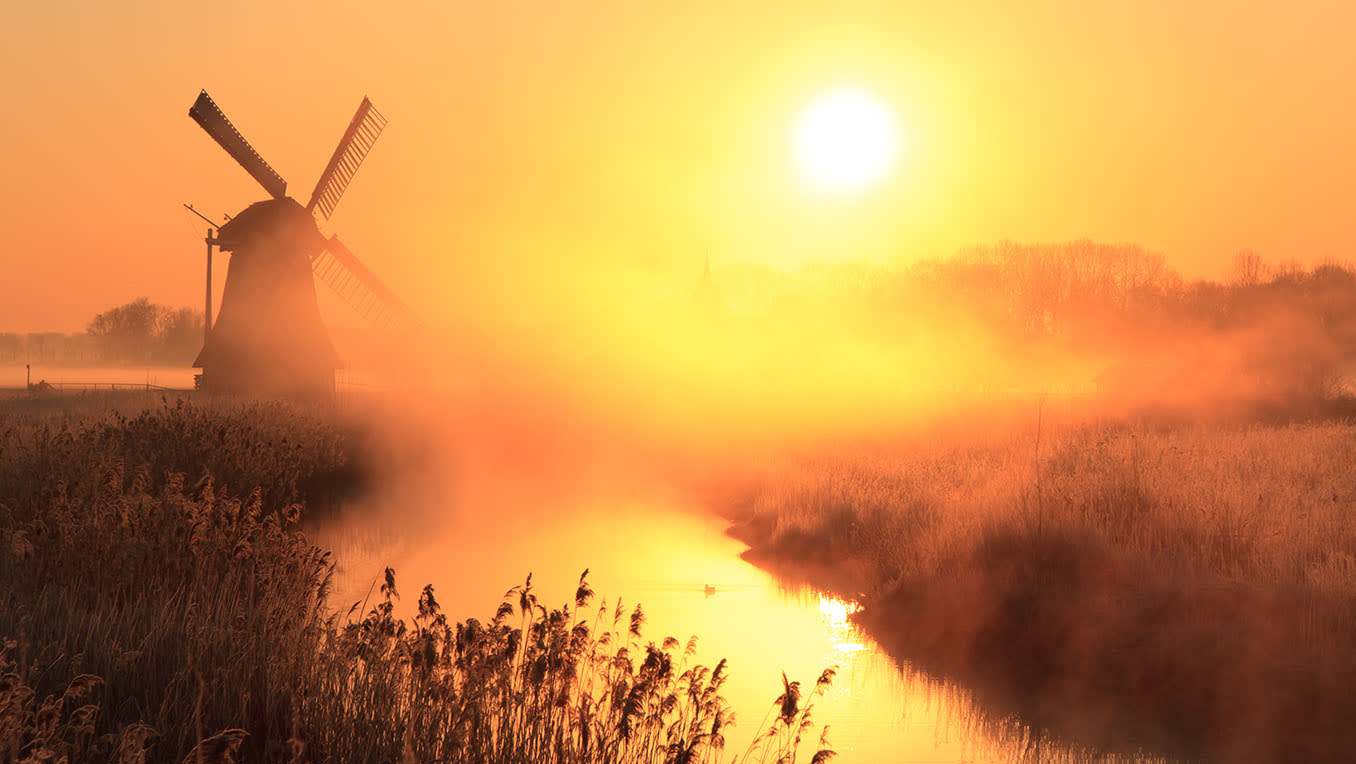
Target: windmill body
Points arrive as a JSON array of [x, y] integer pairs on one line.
[[269, 339]]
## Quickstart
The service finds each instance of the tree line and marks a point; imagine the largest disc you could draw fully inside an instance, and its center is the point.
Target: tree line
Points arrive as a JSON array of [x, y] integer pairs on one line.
[[1273, 330], [137, 332]]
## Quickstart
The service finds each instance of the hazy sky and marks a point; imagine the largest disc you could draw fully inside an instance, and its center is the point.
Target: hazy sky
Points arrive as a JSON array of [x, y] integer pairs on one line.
[[535, 147]]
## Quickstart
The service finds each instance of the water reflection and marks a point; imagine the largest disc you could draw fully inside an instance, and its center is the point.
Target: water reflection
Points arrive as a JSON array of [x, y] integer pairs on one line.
[[836, 614], [690, 579]]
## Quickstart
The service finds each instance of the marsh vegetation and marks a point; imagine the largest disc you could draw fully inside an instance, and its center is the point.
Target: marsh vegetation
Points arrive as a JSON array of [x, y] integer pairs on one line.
[[162, 602], [1188, 589]]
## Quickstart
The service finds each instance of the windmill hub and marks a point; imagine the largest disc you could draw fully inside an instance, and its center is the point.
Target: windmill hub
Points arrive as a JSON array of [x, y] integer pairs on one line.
[[268, 338]]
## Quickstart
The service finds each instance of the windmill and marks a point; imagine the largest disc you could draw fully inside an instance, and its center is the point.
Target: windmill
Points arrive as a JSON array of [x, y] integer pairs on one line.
[[268, 338]]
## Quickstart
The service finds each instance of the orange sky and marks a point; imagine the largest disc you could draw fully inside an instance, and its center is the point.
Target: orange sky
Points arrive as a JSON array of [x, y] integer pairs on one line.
[[533, 142]]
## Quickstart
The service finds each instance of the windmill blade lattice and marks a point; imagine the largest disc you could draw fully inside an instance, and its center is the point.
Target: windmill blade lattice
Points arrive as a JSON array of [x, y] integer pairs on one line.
[[362, 132], [211, 118], [358, 286]]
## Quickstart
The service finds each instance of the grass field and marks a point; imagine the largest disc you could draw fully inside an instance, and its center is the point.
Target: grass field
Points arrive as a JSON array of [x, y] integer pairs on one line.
[[162, 602], [1189, 589]]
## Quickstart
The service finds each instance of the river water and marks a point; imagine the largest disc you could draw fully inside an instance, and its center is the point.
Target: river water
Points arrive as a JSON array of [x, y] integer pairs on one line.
[[174, 377], [690, 579]]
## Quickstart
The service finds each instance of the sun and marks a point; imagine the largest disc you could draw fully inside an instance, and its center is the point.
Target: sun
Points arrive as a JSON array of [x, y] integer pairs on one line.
[[845, 139]]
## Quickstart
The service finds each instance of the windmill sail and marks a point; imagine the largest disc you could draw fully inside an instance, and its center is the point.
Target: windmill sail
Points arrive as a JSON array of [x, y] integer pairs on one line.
[[357, 285], [207, 114], [362, 132]]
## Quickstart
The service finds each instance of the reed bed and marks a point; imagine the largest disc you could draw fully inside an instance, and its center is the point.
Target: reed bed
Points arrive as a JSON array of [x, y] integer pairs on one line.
[[1187, 589], [162, 603]]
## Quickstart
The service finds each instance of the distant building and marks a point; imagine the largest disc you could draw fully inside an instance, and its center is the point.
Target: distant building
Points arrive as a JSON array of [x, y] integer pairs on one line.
[[706, 297]]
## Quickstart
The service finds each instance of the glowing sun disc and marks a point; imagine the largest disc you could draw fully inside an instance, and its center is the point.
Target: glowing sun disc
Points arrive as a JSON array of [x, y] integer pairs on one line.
[[845, 139]]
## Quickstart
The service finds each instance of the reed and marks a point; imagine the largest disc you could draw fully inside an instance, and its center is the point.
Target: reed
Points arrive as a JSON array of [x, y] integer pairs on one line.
[[162, 602]]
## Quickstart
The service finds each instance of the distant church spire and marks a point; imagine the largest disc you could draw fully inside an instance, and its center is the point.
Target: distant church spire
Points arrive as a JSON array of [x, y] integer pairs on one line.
[[706, 297]]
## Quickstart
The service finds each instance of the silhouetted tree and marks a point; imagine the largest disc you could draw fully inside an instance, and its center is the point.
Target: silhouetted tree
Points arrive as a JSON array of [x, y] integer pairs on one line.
[[127, 332], [142, 331], [1248, 268], [180, 335], [11, 347]]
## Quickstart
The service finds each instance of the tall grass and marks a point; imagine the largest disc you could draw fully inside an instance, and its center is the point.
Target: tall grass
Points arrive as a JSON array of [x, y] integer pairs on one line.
[[1191, 589], [161, 603], [572, 684], [287, 454]]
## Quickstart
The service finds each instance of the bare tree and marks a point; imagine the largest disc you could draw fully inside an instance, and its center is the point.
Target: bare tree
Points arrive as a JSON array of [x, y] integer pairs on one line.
[[142, 331]]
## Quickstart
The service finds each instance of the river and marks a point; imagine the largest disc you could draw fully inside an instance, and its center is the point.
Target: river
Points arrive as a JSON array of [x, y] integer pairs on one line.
[[690, 579]]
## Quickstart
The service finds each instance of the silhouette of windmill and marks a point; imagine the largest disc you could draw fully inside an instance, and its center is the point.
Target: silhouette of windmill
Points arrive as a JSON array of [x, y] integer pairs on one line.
[[268, 338]]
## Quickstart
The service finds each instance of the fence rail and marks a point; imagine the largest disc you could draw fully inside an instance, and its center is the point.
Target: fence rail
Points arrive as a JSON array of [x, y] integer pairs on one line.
[[80, 387]]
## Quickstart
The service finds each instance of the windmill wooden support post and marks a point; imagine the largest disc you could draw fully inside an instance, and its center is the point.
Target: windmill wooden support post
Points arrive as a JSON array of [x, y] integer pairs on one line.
[[207, 312]]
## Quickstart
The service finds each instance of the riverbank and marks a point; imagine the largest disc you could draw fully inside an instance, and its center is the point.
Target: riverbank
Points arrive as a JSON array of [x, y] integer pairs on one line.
[[1188, 591]]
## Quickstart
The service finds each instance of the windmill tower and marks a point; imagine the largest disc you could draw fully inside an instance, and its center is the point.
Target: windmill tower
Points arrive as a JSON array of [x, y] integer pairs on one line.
[[268, 338]]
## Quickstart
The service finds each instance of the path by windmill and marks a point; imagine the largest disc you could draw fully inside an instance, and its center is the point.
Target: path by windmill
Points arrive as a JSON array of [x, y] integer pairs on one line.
[[268, 338]]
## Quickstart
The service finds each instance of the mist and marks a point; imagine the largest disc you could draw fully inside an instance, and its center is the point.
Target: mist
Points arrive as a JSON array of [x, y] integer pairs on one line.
[[609, 384], [749, 356]]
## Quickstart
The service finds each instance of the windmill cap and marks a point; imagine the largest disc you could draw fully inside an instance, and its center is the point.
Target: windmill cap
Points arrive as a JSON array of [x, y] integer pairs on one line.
[[280, 222]]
